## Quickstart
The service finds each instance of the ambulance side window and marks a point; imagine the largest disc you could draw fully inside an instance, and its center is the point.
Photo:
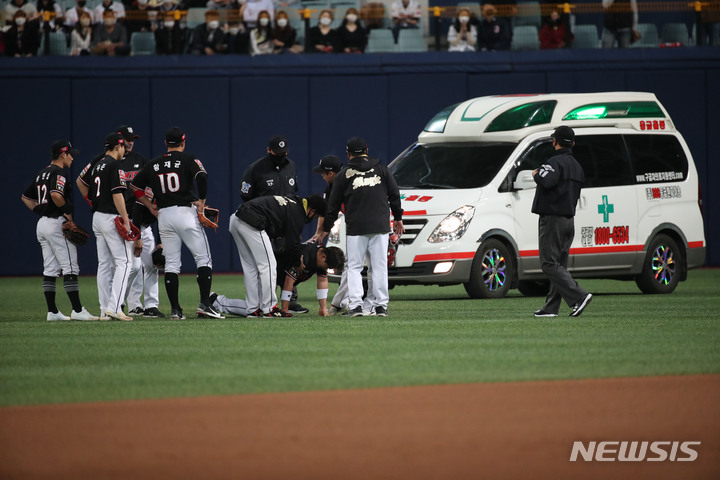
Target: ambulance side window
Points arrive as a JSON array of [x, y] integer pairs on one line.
[[604, 160], [657, 158], [535, 156]]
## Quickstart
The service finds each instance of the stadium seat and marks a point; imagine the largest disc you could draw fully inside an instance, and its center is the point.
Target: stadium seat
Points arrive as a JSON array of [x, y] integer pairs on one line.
[[586, 36], [648, 36], [525, 37], [411, 40], [675, 32], [528, 13], [195, 17], [380, 41], [294, 17], [58, 44], [142, 43]]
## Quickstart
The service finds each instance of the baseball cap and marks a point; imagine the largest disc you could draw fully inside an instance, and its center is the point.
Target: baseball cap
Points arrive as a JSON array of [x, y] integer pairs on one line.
[[174, 136], [113, 139], [278, 144], [60, 146], [127, 133], [564, 135], [328, 163], [356, 145]]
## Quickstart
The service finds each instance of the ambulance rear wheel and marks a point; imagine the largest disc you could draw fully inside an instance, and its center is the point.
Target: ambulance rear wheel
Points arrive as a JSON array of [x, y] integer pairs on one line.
[[492, 271], [662, 268]]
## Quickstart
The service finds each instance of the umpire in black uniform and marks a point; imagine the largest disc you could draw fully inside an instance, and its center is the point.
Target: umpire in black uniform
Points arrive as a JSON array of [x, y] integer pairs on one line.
[[558, 188]]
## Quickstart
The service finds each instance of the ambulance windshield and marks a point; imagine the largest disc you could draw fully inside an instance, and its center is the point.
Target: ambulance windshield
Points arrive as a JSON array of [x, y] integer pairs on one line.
[[450, 165]]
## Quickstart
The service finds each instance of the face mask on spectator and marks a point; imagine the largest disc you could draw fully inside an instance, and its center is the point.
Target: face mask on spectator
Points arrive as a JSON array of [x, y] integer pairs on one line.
[[282, 22], [85, 22], [109, 22], [234, 30], [464, 19], [20, 21], [169, 23], [264, 21], [351, 17], [325, 21], [213, 24]]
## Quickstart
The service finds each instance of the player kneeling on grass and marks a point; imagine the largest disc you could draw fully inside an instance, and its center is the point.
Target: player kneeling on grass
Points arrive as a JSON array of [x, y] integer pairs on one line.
[[314, 260]]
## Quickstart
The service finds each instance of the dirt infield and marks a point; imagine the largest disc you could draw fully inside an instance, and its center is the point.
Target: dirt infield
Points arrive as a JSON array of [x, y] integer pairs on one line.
[[502, 430]]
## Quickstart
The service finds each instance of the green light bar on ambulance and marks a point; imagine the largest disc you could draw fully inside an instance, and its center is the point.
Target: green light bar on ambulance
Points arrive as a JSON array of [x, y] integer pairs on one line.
[[438, 122], [527, 115], [616, 110]]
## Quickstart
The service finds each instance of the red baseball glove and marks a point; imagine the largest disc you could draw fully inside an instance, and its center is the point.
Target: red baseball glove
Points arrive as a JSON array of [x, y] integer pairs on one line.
[[130, 236]]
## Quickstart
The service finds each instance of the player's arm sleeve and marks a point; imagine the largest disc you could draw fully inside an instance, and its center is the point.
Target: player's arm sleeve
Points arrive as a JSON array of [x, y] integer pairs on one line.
[[246, 186], [202, 185], [393, 196], [333, 206]]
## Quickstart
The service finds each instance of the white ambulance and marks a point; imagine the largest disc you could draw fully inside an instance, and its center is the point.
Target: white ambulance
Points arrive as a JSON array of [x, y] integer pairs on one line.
[[467, 191]]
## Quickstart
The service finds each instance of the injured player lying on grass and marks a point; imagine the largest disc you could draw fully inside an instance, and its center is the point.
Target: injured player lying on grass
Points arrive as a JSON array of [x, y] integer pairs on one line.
[[314, 260]]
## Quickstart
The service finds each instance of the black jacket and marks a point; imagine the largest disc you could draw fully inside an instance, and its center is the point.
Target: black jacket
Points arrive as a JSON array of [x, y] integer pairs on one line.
[[559, 181], [266, 177], [369, 192]]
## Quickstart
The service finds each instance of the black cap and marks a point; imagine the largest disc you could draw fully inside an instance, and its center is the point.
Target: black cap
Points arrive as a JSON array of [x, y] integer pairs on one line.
[[174, 136], [357, 146], [328, 163], [61, 146], [564, 135], [127, 133], [278, 144], [113, 139]]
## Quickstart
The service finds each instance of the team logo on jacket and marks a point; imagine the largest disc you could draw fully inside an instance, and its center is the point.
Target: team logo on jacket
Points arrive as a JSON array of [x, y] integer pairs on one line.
[[269, 182], [245, 187], [291, 182], [360, 182]]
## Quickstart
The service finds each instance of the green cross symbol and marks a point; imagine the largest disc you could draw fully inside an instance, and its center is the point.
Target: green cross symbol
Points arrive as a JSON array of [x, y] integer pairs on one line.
[[606, 209]]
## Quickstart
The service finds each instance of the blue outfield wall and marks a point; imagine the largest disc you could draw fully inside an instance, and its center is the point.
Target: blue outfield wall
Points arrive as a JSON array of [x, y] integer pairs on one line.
[[230, 106]]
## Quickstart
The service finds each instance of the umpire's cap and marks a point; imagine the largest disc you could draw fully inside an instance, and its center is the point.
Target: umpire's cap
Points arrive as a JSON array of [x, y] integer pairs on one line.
[[328, 163], [278, 144], [564, 135], [174, 136], [62, 146], [114, 139]]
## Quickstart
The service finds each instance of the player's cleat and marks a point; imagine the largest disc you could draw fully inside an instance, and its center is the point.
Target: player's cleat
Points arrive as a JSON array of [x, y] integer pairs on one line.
[[206, 311], [57, 317], [118, 316], [277, 313], [136, 312], [177, 315], [580, 305], [211, 299], [297, 308], [333, 310], [83, 315], [381, 312], [355, 312], [256, 314], [153, 312], [544, 313]]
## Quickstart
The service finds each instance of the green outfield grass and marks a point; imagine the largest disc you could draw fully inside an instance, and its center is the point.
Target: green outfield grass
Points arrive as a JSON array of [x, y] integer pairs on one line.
[[433, 336]]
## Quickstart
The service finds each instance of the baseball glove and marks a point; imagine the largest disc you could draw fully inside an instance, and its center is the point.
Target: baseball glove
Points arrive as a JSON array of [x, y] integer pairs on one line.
[[158, 258], [130, 236], [75, 234], [209, 217]]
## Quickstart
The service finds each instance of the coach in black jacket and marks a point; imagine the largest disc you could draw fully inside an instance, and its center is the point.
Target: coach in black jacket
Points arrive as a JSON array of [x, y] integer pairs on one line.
[[558, 188], [369, 191]]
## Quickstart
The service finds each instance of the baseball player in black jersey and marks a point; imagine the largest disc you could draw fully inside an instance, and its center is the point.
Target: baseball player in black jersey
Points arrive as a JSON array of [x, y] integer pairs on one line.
[[254, 225], [104, 185], [315, 260], [50, 196], [143, 274], [273, 174], [171, 177]]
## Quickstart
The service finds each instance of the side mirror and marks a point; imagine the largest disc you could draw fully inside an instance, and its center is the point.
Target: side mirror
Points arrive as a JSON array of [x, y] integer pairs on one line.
[[524, 181]]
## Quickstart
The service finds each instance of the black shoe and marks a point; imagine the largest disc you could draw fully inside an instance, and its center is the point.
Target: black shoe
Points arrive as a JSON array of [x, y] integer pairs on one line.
[[256, 314], [136, 312], [381, 312], [355, 312], [211, 299], [578, 308], [544, 313], [297, 308], [207, 311], [153, 312], [177, 315], [277, 313]]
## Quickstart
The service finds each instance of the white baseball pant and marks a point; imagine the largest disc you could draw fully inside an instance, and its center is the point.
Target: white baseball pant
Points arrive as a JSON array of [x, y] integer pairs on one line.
[[342, 299], [231, 306], [143, 275], [178, 225], [59, 255], [258, 264], [375, 246], [114, 258]]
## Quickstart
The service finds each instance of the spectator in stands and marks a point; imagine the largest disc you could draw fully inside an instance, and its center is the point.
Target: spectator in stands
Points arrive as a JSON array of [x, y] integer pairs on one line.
[[116, 7], [170, 37], [552, 33], [223, 4], [81, 36], [284, 35], [250, 11], [110, 37], [405, 14], [322, 38], [710, 24], [493, 32], [462, 35], [30, 10], [208, 37], [72, 15], [166, 6], [261, 37], [140, 17], [620, 23], [56, 14], [237, 39], [508, 8], [23, 38], [351, 36]]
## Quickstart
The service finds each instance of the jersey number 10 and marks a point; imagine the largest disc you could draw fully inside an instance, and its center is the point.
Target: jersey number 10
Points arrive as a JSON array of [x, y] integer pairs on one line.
[[169, 182]]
